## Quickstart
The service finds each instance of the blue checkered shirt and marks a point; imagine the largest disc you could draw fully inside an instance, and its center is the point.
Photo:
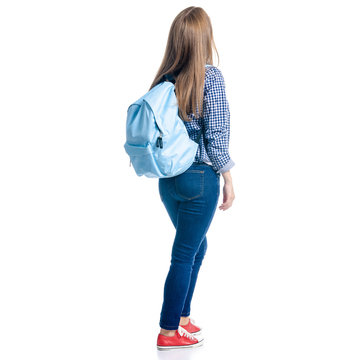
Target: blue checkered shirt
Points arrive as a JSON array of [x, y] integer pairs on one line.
[[215, 124]]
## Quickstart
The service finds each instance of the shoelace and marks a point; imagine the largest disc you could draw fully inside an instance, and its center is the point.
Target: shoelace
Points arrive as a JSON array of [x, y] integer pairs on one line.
[[183, 332]]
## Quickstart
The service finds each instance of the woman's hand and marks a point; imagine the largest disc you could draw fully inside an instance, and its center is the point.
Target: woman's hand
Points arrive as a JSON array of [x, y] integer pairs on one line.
[[228, 191]]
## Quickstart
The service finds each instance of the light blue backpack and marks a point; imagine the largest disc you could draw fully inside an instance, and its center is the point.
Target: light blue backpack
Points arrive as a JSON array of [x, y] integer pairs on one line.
[[157, 141]]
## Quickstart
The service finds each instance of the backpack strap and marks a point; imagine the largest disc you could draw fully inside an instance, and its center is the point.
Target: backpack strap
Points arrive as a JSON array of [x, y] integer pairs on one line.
[[169, 77], [198, 138]]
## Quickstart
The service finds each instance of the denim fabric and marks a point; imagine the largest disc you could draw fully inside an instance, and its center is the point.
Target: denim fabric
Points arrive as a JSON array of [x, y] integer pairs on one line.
[[190, 199]]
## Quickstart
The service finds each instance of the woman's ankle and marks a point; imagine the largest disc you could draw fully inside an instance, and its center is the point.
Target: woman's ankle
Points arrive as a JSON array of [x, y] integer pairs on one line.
[[167, 332], [184, 320]]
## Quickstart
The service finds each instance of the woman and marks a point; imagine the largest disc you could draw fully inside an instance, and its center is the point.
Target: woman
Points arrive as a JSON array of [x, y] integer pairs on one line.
[[191, 197]]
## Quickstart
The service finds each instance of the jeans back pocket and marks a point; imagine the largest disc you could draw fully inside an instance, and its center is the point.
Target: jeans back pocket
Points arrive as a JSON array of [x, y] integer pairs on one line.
[[190, 184]]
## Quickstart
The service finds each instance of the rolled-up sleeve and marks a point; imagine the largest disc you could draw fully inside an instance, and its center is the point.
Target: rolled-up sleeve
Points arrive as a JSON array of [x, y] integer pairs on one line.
[[216, 116]]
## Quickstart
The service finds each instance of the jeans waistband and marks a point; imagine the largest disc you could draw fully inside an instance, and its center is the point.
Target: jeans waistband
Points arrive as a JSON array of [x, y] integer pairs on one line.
[[207, 165], [200, 163]]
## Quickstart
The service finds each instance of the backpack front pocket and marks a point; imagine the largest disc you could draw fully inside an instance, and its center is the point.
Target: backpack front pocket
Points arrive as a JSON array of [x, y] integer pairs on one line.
[[142, 159]]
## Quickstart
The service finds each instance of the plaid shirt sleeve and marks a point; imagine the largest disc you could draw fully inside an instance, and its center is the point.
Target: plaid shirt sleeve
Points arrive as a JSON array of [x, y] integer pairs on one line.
[[216, 115]]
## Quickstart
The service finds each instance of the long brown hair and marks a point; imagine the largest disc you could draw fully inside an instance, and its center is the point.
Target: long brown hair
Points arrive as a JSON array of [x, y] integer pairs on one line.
[[188, 49]]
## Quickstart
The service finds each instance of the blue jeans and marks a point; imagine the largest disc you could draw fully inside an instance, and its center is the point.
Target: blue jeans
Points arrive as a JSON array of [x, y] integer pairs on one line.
[[190, 199]]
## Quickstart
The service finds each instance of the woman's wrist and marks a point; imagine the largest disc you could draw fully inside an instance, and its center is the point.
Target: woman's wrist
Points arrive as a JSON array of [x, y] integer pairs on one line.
[[227, 176]]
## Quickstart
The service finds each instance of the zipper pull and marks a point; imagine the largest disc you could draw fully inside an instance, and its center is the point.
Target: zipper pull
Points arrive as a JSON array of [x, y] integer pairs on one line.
[[159, 141]]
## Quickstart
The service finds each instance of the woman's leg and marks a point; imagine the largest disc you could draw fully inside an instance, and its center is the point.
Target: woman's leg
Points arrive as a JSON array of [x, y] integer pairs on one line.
[[172, 206], [197, 191], [194, 274]]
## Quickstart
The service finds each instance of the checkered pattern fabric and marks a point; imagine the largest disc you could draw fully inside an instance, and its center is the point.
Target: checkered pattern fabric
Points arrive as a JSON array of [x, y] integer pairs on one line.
[[215, 124]]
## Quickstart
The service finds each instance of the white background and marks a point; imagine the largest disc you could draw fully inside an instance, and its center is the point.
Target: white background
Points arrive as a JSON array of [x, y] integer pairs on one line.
[[85, 243]]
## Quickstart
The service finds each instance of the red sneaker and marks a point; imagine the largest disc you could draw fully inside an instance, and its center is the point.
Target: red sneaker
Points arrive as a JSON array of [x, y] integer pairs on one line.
[[181, 339], [192, 328]]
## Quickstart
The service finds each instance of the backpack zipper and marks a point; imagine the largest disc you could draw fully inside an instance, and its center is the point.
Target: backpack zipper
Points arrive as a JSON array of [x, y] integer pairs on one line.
[[159, 141]]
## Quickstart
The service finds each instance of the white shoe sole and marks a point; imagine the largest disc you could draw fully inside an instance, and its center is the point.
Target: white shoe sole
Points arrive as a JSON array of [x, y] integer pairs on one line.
[[199, 343]]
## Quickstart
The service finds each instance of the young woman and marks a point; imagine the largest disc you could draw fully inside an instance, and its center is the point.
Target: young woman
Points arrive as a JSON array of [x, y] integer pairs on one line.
[[191, 198]]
